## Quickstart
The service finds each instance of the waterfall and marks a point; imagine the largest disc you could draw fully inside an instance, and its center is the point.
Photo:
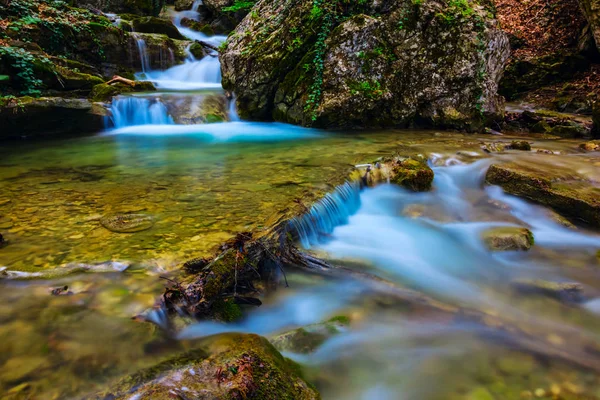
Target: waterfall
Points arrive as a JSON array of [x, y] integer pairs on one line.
[[131, 111], [143, 50], [333, 210], [196, 5], [233, 115]]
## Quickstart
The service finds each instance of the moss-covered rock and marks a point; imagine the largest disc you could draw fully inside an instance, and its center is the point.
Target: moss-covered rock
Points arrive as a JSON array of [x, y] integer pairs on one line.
[[522, 145], [182, 5], [308, 338], [374, 63], [227, 366], [575, 199], [203, 27], [508, 239], [104, 92], [157, 25], [26, 116], [412, 174]]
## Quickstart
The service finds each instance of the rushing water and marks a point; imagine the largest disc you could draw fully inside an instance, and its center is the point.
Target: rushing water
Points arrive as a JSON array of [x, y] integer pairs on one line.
[[201, 192], [204, 183]]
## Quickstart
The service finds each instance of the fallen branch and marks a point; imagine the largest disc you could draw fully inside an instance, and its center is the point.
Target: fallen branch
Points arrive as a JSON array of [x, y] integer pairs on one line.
[[207, 45], [120, 79]]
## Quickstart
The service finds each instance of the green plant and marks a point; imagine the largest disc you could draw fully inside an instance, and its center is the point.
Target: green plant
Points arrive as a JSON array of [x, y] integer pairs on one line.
[[24, 65], [369, 89], [239, 5]]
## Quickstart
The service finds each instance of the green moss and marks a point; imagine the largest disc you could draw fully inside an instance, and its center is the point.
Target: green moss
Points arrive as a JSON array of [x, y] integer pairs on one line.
[[226, 310], [213, 118], [412, 174], [342, 319], [520, 145]]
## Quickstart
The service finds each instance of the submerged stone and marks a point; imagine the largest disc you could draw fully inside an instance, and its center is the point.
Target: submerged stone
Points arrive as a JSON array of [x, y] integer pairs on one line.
[[127, 223], [508, 239], [226, 366], [308, 338], [563, 291]]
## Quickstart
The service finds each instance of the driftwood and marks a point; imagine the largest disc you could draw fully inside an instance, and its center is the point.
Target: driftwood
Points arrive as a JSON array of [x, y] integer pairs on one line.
[[120, 79], [207, 45]]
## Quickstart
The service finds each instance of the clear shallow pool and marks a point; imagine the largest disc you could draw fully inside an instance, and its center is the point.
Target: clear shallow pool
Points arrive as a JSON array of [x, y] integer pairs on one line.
[[201, 192]]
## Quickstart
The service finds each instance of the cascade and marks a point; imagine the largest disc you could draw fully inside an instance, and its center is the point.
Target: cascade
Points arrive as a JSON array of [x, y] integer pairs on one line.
[[132, 110]]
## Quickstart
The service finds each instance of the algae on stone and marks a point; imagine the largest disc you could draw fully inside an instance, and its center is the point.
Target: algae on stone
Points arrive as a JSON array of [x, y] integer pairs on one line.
[[508, 239], [224, 366]]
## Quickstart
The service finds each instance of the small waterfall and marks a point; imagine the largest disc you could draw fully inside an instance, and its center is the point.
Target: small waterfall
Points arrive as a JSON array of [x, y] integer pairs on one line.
[[333, 210], [196, 5], [131, 111], [233, 115], [143, 50]]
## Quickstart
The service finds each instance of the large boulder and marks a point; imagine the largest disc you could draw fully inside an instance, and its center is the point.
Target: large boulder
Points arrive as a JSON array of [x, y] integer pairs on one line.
[[227, 366], [368, 63], [26, 116]]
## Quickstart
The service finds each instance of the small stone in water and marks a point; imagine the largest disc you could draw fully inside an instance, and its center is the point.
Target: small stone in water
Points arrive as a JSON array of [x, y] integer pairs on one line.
[[127, 223], [539, 392]]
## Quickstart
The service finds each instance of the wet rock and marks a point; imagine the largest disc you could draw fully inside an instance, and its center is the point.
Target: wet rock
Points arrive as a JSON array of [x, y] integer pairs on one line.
[[157, 25], [594, 145], [575, 199], [412, 174], [520, 145], [127, 223], [49, 116], [508, 239], [570, 292], [197, 50], [380, 63], [569, 131], [211, 108], [64, 270], [19, 368], [205, 28], [104, 92], [223, 366], [308, 338]]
